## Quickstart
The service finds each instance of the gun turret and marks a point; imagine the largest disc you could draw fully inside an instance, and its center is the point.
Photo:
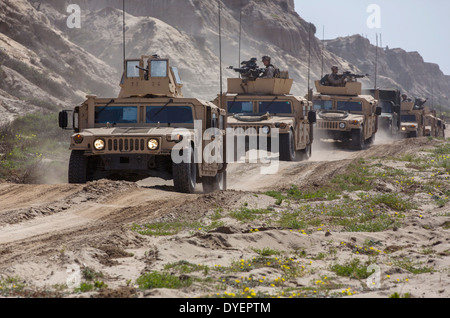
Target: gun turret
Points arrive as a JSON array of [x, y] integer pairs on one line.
[[249, 70]]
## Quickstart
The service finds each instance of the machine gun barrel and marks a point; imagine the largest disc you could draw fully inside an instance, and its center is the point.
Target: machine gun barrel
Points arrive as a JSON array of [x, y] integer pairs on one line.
[[141, 68], [349, 74]]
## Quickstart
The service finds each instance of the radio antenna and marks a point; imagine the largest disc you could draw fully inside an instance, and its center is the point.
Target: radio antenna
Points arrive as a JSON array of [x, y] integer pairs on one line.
[[123, 31], [220, 51], [323, 48], [376, 61], [309, 55]]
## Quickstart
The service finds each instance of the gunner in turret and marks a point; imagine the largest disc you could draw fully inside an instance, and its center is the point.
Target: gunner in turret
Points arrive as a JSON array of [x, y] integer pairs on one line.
[[334, 79], [269, 72]]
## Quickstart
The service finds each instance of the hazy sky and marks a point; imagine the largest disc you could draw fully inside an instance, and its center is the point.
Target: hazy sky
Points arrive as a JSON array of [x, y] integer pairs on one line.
[[413, 25]]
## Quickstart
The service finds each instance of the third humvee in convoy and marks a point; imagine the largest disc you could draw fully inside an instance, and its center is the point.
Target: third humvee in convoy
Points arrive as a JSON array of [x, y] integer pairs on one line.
[[344, 114], [149, 130], [389, 100], [434, 126], [412, 117], [257, 107]]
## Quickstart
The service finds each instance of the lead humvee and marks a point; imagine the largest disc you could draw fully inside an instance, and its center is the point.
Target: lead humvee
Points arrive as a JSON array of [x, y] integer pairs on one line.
[[344, 114], [149, 130], [256, 107]]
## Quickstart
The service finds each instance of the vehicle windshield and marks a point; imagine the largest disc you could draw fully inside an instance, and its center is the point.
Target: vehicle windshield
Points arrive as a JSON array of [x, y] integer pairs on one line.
[[408, 118], [169, 114], [323, 105], [275, 107], [349, 106], [238, 107], [386, 107], [116, 114]]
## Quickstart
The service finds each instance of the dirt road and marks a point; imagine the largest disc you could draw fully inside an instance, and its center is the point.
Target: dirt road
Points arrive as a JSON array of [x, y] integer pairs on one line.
[[50, 231]]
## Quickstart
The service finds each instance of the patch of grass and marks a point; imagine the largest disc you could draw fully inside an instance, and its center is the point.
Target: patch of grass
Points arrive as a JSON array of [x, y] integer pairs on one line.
[[26, 141], [411, 266], [246, 214], [186, 267], [393, 201], [352, 269], [162, 280]]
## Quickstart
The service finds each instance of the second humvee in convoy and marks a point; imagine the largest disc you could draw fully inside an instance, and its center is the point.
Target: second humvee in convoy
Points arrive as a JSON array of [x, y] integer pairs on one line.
[[344, 114], [258, 107], [149, 130]]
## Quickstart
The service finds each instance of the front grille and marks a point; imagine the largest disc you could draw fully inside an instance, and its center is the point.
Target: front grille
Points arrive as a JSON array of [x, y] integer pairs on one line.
[[126, 144], [328, 125], [248, 130]]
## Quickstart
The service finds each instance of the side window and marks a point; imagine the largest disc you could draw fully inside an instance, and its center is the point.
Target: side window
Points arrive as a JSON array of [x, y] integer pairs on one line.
[[132, 70], [214, 120], [158, 68], [221, 122]]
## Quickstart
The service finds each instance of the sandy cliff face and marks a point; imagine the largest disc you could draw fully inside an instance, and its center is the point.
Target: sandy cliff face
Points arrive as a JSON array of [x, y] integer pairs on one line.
[[397, 68], [46, 64]]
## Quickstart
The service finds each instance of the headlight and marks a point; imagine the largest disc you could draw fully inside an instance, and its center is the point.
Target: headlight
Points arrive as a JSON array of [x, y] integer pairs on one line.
[[153, 144], [403, 128], [265, 130], [99, 144], [342, 125]]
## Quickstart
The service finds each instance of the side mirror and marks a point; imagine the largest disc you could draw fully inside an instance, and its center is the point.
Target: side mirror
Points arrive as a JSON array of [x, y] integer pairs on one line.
[[378, 111], [63, 119], [312, 118]]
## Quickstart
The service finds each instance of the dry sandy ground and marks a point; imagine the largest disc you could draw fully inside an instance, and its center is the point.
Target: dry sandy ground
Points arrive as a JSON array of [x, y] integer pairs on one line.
[[51, 234]]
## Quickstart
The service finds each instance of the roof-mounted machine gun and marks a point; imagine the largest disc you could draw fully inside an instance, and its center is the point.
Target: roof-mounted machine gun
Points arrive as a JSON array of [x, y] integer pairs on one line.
[[249, 70]]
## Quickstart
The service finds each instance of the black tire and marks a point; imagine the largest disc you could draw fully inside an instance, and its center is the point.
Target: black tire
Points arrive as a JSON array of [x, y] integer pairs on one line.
[[287, 147], [305, 154], [357, 142], [185, 174], [78, 165], [212, 184]]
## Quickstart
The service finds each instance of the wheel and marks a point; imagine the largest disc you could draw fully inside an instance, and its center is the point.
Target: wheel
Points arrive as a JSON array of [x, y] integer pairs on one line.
[[357, 142], [185, 174], [306, 153], [413, 134], [287, 147], [78, 164], [216, 183]]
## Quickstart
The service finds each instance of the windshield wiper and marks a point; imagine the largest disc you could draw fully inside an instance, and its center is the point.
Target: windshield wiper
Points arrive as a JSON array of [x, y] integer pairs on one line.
[[104, 107], [270, 104], [161, 109]]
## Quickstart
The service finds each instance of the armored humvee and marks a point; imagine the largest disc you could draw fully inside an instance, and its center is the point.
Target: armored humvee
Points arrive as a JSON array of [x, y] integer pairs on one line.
[[434, 126], [150, 130], [260, 109], [389, 101], [345, 114], [412, 117]]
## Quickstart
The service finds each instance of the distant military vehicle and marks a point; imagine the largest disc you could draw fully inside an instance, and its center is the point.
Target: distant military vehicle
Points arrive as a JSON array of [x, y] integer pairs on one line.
[[412, 117], [257, 106], [344, 114], [434, 126], [389, 100], [150, 130]]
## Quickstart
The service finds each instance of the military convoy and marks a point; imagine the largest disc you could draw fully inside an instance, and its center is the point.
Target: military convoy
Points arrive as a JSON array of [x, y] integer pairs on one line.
[[150, 130], [262, 109], [345, 115]]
